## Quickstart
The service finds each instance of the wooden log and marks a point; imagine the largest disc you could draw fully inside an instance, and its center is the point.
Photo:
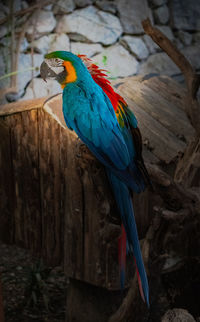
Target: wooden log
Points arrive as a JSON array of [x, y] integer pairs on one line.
[[50, 187], [6, 187], [184, 201], [192, 79], [188, 168], [62, 207], [92, 224], [2, 318], [187, 171], [51, 197], [25, 175], [157, 104], [60, 203]]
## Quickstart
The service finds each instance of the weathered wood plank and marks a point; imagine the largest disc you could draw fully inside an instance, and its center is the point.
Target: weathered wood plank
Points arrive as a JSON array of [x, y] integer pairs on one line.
[[99, 201], [148, 156], [51, 198], [169, 115], [21, 106], [83, 251], [163, 143], [26, 201], [6, 183], [91, 230], [83, 255], [188, 170], [53, 107], [167, 88], [2, 317], [73, 208]]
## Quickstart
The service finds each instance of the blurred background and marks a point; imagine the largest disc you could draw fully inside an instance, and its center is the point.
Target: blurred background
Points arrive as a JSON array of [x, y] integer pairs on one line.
[[108, 31]]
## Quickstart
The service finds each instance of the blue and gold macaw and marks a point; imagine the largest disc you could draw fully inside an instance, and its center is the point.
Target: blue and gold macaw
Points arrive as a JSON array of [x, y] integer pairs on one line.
[[103, 121]]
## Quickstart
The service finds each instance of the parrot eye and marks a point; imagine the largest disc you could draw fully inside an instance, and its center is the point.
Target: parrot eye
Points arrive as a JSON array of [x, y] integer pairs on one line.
[[58, 62], [55, 62]]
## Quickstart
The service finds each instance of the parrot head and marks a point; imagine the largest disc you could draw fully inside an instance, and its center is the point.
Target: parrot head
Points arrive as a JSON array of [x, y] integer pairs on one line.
[[62, 66]]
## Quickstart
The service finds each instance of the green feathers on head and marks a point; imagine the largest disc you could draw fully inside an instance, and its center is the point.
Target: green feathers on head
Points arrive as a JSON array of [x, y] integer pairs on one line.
[[65, 55]]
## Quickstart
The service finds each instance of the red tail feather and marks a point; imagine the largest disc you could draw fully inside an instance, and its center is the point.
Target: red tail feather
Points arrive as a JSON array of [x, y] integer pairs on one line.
[[139, 282], [122, 255]]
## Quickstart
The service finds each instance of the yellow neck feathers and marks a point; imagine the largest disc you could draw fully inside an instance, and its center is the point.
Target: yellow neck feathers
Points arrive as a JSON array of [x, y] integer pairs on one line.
[[71, 73]]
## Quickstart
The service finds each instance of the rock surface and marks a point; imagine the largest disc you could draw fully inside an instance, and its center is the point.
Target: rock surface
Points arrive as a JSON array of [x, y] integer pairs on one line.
[[177, 315], [136, 46], [2, 15], [192, 54], [4, 69], [196, 38], [117, 60], [110, 30], [91, 24], [157, 3], [24, 70], [159, 63], [131, 13], [86, 49], [83, 3], [25, 63], [6, 42], [3, 10], [185, 14], [38, 88], [52, 42], [63, 6], [106, 5], [42, 22], [185, 37], [161, 15], [166, 31], [3, 31], [151, 45]]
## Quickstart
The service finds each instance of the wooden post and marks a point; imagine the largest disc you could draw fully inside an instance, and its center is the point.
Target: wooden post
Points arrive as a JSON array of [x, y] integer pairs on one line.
[[55, 198], [1, 305]]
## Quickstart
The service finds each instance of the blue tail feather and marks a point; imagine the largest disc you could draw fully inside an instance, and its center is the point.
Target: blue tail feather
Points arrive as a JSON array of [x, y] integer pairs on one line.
[[124, 202]]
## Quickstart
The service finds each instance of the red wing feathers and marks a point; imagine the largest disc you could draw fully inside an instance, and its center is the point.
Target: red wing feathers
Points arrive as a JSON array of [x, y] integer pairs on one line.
[[99, 76]]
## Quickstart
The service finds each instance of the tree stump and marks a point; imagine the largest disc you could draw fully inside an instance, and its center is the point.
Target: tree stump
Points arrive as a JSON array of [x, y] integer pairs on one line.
[[1, 305], [177, 315], [55, 198]]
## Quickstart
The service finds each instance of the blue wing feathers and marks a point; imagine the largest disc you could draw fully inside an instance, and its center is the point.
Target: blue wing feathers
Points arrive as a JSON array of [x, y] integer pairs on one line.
[[100, 131]]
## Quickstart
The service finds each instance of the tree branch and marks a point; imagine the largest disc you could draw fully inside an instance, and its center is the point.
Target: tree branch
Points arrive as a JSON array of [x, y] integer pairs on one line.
[[27, 10], [13, 79], [192, 79], [175, 195]]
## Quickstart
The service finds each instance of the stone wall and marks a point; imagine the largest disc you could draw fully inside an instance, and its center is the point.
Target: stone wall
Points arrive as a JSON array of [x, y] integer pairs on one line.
[[108, 31]]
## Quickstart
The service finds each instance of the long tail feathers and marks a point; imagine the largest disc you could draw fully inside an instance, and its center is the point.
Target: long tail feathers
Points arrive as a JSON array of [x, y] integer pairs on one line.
[[139, 282], [124, 202], [122, 256]]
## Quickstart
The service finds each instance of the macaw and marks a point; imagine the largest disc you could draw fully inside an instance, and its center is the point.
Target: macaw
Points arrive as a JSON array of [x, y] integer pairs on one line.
[[103, 121]]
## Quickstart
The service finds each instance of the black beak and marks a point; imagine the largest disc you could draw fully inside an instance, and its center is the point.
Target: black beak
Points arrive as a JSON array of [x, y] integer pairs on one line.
[[46, 71]]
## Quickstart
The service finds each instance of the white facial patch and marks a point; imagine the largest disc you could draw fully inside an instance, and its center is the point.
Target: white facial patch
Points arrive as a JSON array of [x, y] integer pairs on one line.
[[55, 64]]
